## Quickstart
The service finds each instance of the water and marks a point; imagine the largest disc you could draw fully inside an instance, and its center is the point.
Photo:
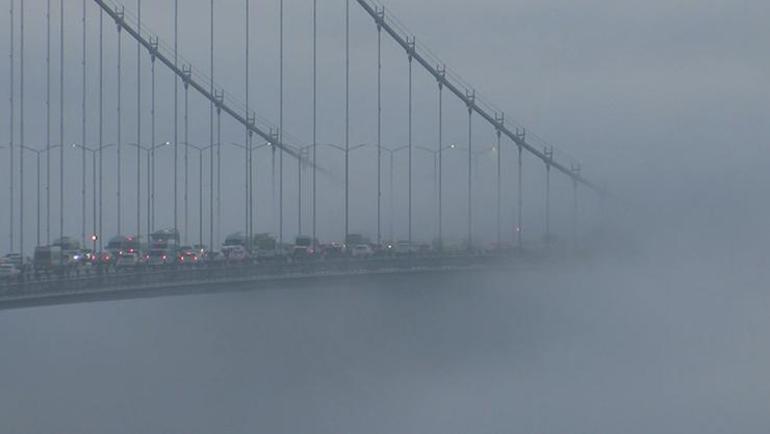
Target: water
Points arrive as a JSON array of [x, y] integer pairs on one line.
[[585, 349]]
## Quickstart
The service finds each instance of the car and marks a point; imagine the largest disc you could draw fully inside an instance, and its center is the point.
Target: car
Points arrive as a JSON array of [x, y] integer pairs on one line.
[[213, 257], [188, 257], [8, 271], [14, 259], [333, 250], [362, 251], [82, 258], [105, 258], [304, 247], [404, 248], [237, 254], [47, 258], [159, 257], [127, 260]]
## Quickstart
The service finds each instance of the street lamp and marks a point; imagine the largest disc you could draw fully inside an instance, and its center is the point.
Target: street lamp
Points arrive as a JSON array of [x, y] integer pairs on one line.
[[247, 181], [473, 159], [201, 150], [150, 181], [548, 152], [94, 152], [437, 187], [37, 153], [345, 150], [392, 153]]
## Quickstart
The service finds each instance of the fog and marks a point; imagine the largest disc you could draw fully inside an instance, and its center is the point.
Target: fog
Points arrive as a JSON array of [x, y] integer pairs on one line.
[[657, 323], [631, 92], [638, 342]]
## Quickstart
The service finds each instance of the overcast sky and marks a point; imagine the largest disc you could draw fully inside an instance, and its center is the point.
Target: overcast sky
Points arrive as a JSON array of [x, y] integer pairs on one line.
[[639, 92], [663, 102]]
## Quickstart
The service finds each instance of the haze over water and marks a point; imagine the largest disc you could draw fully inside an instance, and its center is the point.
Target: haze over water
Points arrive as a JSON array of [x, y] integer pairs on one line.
[[635, 344], [660, 326]]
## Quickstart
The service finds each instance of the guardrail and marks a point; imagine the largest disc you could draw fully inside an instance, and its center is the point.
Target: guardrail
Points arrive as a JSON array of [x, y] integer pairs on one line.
[[105, 279]]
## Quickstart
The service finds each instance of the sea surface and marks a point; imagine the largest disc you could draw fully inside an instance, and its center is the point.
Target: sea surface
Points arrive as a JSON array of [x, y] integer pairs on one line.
[[563, 349]]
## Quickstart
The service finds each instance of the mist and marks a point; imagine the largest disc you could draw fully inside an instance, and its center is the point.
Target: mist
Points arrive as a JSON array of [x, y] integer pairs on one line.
[[656, 322]]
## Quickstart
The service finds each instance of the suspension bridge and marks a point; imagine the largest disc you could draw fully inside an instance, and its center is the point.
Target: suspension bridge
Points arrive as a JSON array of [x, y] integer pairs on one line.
[[142, 173]]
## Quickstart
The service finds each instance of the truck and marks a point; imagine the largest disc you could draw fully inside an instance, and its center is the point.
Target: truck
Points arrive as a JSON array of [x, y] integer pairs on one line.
[[47, 258], [70, 250], [236, 247], [124, 244], [305, 247], [164, 247], [264, 246]]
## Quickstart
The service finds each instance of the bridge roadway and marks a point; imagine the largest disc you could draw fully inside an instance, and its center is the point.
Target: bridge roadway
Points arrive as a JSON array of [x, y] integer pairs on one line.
[[143, 283]]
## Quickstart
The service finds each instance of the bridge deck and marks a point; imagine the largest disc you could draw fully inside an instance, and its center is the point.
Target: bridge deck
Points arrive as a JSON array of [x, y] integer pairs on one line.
[[95, 286]]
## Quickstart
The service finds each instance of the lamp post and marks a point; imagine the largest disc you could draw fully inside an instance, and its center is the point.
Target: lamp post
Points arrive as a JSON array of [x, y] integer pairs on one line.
[[201, 150], [473, 159], [303, 157], [248, 205], [38, 153], [346, 150], [392, 153], [150, 180], [437, 187], [94, 153]]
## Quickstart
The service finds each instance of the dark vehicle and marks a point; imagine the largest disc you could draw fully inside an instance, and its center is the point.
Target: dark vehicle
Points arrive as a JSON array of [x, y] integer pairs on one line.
[[120, 245], [264, 246], [159, 257], [305, 247], [164, 247], [70, 250], [352, 240], [213, 257], [234, 243], [189, 255], [165, 237], [47, 258], [333, 250], [14, 259], [236, 239], [127, 260]]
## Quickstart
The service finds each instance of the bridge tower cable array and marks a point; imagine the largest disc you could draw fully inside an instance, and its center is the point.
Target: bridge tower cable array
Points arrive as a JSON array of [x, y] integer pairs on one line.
[[22, 142], [206, 86], [176, 116], [379, 128], [280, 125], [100, 230], [410, 51], [189, 81], [247, 178], [139, 124], [118, 17], [83, 136], [211, 128], [315, 116], [48, 123], [466, 97], [11, 141], [347, 118], [61, 120]]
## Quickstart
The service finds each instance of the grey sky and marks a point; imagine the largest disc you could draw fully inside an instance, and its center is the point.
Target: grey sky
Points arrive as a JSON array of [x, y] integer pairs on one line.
[[663, 330], [634, 90]]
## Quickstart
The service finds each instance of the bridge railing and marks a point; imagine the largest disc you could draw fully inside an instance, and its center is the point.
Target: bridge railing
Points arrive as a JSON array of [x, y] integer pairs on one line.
[[171, 276]]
